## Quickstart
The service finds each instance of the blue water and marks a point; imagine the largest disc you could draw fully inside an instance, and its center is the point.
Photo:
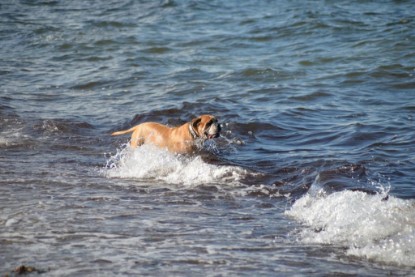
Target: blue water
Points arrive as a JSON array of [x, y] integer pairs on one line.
[[313, 174]]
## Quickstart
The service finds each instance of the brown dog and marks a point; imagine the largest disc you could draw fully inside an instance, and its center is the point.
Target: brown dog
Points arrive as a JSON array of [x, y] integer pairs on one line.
[[182, 139]]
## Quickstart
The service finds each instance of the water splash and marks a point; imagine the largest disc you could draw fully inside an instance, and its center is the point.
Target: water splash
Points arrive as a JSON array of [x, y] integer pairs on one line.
[[151, 163]]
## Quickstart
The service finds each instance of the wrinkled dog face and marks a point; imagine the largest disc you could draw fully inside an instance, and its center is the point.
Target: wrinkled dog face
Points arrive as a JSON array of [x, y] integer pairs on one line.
[[207, 126]]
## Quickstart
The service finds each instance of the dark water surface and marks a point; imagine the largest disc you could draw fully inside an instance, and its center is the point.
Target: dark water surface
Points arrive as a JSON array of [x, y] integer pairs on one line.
[[314, 172]]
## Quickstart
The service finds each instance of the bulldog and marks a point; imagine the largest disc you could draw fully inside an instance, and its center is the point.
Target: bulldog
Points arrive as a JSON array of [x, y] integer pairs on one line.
[[182, 139]]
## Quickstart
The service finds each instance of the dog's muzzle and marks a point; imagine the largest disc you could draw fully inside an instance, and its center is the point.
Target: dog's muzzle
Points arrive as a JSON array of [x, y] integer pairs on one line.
[[213, 130]]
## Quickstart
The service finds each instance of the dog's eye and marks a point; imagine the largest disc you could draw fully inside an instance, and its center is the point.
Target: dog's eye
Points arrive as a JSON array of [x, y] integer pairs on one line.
[[211, 122]]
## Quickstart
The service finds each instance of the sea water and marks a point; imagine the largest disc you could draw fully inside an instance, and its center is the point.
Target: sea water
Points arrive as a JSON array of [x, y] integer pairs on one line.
[[313, 172]]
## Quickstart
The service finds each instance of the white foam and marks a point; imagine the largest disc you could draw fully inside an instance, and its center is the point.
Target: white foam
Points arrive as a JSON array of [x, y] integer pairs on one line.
[[13, 137], [149, 162], [367, 225]]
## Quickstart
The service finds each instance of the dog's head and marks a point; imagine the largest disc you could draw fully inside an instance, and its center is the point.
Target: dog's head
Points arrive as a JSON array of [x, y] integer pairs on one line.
[[206, 127]]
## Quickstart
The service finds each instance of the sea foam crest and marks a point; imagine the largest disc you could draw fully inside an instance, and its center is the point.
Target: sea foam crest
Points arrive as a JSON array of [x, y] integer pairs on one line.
[[370, 226], [13, 138], [151, 163]]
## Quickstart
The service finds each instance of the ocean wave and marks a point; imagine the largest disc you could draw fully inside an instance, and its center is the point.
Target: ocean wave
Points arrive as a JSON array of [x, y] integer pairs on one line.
[[377, 227], [150, 163], [12, 133], [13, 139]]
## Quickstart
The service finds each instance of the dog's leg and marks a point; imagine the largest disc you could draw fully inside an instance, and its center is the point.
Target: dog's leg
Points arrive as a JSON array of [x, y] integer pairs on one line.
[[136, 139]]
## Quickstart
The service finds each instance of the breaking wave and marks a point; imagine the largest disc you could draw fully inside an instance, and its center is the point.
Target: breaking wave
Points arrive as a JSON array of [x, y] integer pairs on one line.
[[377, 227]]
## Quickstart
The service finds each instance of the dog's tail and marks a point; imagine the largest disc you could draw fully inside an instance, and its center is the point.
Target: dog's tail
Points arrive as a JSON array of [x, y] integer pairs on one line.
[[123, 132]]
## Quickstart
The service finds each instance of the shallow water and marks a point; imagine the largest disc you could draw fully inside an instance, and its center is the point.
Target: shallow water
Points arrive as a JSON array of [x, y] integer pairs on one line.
[[313, 173]]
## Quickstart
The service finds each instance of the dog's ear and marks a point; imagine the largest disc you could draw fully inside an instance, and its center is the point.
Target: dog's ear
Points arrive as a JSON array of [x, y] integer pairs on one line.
[[196, 122]]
